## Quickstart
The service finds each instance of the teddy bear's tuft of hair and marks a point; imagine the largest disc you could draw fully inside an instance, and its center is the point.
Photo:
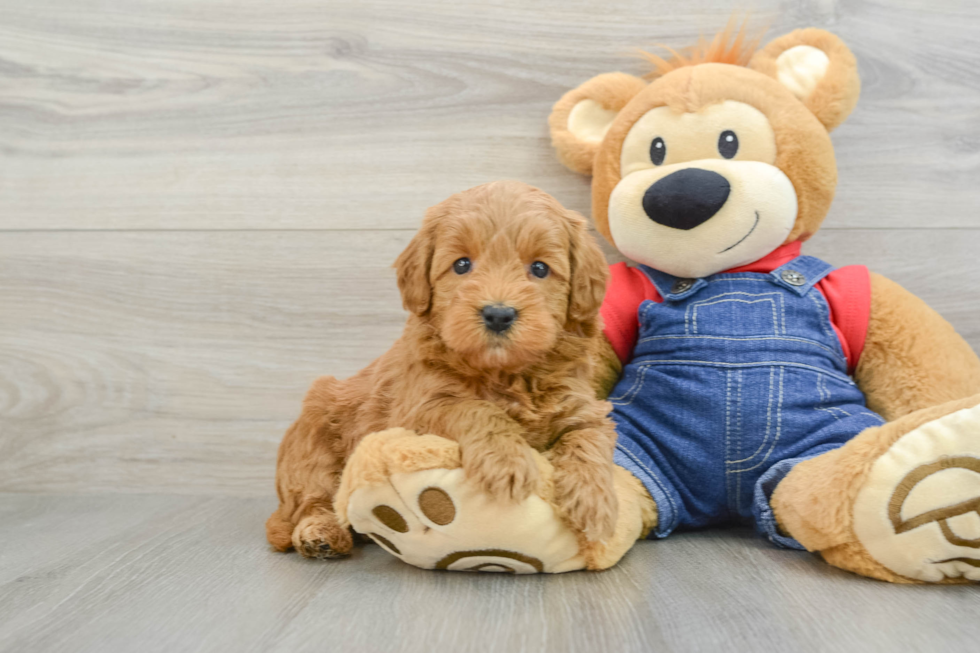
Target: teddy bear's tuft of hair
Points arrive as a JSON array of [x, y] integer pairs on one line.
[[729, 46]]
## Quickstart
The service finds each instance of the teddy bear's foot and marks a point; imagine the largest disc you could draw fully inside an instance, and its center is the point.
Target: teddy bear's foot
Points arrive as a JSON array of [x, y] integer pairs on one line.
[[900, 502], [436, 519], [410, 494], [918, 511]]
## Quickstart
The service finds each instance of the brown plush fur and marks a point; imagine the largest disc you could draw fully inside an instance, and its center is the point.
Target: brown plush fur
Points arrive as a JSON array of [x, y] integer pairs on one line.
[[612, 91], [814, 501], [497, 395], [838, 92], [912, 358], [914, 367]]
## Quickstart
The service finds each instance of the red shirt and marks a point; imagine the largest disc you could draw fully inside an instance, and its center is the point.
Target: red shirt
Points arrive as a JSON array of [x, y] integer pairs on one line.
[[847, 291]]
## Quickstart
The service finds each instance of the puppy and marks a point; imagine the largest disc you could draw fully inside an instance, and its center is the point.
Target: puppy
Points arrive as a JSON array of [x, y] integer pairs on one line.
[[503, 286]]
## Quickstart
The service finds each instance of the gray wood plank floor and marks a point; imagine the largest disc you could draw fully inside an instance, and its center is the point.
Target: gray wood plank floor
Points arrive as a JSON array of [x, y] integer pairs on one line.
[[199, 204], [166, 573]]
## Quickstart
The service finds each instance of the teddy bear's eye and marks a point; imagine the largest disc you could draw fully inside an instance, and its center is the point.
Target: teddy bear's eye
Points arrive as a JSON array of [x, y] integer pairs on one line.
[[658, 150], [728, 144], [462, 265]]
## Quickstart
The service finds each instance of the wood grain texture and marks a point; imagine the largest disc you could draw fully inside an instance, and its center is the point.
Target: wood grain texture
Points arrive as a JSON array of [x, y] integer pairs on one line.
[[203, 114], [173, 361], [199, 204], [166, 573]]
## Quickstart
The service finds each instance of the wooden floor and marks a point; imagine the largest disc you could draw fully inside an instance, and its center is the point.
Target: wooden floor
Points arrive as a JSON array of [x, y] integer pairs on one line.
[[167, 573], [199, 204]]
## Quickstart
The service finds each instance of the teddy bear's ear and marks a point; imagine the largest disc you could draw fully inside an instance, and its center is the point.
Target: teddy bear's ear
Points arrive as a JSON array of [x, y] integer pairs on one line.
[[580, 119], [817, 68]]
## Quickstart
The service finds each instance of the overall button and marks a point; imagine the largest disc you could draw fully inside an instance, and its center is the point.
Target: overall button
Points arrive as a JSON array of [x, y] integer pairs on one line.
[[793, 277], [681, 285]]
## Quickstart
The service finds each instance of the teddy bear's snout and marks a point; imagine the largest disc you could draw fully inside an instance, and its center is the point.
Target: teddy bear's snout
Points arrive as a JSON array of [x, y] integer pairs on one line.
[[686, 198]]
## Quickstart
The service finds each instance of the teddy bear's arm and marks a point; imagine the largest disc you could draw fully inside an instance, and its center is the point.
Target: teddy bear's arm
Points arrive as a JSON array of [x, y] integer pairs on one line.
[[912, 357]]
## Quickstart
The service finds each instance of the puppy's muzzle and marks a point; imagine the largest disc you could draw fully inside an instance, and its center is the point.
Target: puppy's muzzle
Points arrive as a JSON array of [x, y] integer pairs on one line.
[[498, 318], [686, 198]]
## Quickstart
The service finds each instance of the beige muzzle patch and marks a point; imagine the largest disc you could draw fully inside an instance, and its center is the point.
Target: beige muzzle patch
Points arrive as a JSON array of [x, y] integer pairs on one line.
[[756, 218], [918, 513]]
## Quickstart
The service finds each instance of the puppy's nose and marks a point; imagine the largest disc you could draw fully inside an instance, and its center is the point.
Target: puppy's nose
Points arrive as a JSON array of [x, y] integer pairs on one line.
[[498, 318], [686, 198]]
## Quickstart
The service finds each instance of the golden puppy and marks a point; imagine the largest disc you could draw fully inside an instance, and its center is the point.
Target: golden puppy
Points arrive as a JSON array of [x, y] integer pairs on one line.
[[503, 286]]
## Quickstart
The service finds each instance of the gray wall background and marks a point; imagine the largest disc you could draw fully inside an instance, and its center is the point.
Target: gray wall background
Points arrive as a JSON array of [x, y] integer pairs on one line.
[[200, 200]]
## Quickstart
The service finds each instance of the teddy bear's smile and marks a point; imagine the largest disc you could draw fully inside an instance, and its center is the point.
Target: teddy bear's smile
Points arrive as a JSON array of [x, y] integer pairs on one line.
[[742, 239]]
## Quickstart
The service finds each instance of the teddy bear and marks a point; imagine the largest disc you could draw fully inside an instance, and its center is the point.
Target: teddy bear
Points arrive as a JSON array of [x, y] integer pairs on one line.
[[829, 407]]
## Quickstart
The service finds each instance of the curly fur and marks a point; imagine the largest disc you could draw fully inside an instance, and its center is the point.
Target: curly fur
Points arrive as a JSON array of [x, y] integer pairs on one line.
[[497, 395]]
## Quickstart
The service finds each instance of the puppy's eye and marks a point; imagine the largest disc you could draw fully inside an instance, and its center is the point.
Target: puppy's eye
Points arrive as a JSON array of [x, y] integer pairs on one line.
[[728, 144], [539, 269], [658, 150], [462, 265]]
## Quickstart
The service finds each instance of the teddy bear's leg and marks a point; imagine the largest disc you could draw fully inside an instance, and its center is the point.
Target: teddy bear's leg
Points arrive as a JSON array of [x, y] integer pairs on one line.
[[899, 502], [410, 495]]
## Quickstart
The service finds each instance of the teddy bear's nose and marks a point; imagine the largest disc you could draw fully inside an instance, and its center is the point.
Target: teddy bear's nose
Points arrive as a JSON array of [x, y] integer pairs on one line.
[[686, 198]]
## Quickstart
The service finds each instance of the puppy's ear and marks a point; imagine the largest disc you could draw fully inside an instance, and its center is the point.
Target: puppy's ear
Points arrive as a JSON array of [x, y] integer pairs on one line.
[[580, 119], [817, 68], [413, 266], [589, 272]]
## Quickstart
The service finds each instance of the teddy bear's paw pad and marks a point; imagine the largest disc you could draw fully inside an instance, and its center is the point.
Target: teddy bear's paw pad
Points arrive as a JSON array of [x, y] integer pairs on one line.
[[436, 519], [492, 560], [918, 513]]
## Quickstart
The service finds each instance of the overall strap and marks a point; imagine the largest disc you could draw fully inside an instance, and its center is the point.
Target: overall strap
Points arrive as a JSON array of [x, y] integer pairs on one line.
[[672, 288], [801, 274]]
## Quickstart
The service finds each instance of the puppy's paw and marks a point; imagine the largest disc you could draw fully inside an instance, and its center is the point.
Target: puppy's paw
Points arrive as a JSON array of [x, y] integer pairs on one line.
[[504, 474], [587, 499], [322, 538]]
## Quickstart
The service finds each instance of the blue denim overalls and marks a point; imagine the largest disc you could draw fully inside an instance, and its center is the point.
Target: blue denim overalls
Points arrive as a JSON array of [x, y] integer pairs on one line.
[[735, 378]]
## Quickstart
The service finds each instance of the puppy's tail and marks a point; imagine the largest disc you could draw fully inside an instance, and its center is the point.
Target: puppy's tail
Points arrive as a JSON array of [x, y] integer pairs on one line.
[[279, 532]]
